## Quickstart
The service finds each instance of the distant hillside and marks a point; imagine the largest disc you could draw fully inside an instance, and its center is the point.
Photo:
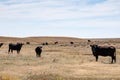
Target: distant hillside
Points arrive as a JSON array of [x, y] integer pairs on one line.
[[53, 39], [38, 39]]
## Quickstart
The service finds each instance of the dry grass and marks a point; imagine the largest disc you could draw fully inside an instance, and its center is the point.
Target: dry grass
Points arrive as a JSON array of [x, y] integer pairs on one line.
[[58, 62]]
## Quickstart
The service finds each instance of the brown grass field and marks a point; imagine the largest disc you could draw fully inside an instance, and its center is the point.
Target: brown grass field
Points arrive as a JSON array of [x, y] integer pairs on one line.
[[62, 61]]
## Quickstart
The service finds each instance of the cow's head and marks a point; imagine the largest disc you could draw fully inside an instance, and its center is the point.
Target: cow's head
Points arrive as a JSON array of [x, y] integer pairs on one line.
[[1, 44], [20, 44], [40, 46], [93, 46]]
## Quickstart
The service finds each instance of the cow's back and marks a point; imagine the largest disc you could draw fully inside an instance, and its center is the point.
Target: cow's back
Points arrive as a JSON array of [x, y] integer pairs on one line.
[[105, 50], [16, 47]]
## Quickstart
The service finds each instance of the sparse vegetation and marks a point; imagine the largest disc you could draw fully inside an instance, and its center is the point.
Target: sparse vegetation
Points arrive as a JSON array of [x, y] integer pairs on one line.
[[6, 76], [58, 62]]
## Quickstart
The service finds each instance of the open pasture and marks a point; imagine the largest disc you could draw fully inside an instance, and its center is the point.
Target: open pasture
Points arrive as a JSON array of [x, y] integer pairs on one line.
[[62, 61]]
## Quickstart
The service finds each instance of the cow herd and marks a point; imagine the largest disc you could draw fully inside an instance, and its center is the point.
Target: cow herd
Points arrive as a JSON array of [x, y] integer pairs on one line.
[[17, 47], [96, 50]]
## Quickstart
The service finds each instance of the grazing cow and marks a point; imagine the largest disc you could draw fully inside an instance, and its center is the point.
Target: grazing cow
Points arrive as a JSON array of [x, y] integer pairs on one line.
[[71, 42], [1, 44], [27, 42], [46, 43], [38, 51], [16, 47], [56, 42], [104, 51], [89, 40]]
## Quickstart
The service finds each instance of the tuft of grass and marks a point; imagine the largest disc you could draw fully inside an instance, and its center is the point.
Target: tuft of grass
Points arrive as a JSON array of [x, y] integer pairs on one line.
[[9, 77], [58, 77], [45, 77]]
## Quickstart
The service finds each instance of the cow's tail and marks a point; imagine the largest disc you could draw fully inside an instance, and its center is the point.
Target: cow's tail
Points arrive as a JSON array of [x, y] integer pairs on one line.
[[115, 55]]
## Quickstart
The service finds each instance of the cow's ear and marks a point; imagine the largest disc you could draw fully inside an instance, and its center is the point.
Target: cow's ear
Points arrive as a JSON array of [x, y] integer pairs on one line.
[[40, 46], [96, 46], [90, 45]]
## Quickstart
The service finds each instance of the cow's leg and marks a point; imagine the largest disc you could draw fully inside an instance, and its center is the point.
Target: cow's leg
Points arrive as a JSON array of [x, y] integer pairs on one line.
[[40, 55], [115, 59], [115, 56], [11, 51], [112, 59], [18, 51], [8, 50], [96, 58], [37, 54]]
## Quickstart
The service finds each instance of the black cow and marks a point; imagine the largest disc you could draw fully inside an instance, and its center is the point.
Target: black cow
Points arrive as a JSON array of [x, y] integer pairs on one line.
[[56, 42], [38, 51], [27, 42], [1, 44], [16, 47], [104, 51], [71, 42]]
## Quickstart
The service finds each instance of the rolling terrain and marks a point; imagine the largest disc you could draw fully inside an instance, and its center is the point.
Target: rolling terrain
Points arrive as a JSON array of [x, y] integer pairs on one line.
[[61, 61]]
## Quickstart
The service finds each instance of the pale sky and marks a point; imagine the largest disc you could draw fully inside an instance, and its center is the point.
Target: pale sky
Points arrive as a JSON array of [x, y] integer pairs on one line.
[[68, 18]]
